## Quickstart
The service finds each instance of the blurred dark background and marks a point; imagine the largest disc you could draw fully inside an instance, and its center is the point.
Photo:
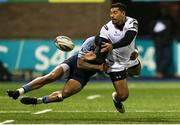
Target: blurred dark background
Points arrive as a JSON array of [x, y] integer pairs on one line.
[[77, 20], [42, 20]]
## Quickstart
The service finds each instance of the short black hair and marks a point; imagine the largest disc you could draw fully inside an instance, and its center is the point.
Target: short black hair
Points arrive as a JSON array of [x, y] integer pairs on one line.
[[121, 6]]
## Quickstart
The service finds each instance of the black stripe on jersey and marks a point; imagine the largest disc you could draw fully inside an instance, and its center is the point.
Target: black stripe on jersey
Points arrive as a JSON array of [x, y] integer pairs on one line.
[[135, 25], [132, 21], [106, 27]]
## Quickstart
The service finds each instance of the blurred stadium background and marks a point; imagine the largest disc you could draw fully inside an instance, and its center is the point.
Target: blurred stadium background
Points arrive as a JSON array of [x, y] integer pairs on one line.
[[28, 27], [27, 31]]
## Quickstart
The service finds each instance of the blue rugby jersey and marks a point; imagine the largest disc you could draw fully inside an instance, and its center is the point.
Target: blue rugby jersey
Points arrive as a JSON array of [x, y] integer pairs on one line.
[[88, 45]]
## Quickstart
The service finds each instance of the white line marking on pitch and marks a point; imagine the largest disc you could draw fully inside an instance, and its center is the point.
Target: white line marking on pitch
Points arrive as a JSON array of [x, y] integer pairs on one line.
[[43, 111], [138, 111], [14, 112], [93, 97], [7, 121], [81, 111]]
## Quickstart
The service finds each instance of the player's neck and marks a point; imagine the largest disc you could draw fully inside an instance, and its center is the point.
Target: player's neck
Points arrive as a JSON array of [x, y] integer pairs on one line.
[[120, 27]]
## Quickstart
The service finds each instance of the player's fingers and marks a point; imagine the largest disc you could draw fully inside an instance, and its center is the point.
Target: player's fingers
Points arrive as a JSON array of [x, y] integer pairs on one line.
[[104, 50], [104, 45]]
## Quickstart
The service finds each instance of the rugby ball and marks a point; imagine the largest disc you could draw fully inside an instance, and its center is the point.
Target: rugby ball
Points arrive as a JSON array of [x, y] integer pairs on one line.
[[64, 43]]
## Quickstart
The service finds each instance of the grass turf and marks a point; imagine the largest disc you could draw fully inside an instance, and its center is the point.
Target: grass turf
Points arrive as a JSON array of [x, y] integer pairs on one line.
[[148, 103]]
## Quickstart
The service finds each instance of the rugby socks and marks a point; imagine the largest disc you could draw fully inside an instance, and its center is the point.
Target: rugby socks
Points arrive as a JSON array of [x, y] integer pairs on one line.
[[45, 99], [21, 90], [42, 100], [24, 89]]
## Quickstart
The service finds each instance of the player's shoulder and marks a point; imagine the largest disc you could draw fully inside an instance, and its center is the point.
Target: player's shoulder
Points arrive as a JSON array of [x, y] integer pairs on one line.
[[130, 20], [131, 24], [108, 25], [88, 42], [89, 39]]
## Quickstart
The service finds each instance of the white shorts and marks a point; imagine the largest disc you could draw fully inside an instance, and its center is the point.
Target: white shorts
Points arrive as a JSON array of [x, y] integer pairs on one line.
[[117, 66], [66, 70]]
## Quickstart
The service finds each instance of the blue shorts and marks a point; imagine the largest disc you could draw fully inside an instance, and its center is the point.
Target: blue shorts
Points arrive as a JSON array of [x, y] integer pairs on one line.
[[81, 75]]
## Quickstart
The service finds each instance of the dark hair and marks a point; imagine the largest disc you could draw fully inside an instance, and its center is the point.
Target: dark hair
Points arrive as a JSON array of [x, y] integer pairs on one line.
[[121, 6]]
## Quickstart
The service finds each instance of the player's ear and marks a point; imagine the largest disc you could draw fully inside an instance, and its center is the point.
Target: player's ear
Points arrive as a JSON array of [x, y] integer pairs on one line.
[[124, 13]]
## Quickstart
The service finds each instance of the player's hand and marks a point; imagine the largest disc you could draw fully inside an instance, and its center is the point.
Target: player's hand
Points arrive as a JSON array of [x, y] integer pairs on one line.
[[89, 56], [104, 67], [134, 55], [106, 47]]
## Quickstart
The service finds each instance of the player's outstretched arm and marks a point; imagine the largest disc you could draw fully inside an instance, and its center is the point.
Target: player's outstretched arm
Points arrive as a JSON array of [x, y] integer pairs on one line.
[[81, 63]]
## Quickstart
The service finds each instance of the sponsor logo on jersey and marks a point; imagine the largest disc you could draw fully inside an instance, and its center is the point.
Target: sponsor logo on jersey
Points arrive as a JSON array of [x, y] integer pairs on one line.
[[117, 34]]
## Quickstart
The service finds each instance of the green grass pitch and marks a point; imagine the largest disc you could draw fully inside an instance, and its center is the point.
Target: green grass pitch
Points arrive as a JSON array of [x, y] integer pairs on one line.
[[148, 103]]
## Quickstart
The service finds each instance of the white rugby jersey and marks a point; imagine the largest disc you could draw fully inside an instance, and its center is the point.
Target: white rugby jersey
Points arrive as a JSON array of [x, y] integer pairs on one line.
[[110, 32]]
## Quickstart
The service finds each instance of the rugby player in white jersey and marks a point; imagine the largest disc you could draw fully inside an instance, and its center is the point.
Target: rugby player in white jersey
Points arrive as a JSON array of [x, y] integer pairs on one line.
[[75, 69], [117, 38]]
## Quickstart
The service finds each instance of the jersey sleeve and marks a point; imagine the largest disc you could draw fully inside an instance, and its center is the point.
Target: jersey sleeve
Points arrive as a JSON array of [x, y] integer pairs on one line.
[[133, 25]]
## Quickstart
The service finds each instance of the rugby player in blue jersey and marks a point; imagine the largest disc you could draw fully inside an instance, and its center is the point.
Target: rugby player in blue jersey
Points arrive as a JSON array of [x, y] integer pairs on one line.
[[75, 69]]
